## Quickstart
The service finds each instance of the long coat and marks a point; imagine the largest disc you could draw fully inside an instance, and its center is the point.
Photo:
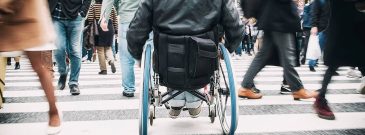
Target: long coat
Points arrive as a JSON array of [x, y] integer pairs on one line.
[[346, 36], [25, 24]]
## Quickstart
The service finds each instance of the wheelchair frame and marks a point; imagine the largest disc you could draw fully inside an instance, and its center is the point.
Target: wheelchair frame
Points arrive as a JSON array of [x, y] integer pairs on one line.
[[152, 97]]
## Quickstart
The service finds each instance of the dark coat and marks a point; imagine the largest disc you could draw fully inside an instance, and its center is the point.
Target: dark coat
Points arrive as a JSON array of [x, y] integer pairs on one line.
[[274, 15], [182, 17], [71, 7], [346, 36]]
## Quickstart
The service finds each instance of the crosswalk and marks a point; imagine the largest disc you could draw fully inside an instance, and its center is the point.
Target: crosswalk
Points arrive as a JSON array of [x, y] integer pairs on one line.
[[102, 110]]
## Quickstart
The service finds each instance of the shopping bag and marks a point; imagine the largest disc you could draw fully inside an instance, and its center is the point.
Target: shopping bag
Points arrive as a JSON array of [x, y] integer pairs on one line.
[[313, 50]]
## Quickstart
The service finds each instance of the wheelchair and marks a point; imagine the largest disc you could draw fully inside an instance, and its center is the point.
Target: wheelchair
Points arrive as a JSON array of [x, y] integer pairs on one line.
[[221, 98]]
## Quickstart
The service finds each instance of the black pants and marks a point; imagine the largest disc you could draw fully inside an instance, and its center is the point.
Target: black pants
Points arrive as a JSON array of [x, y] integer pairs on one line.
[[284, 43]]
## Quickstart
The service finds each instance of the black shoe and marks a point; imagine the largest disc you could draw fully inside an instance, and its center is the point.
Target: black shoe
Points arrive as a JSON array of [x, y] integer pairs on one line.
[[285, 89], [8, 62], [103, 72], [112, 66], [54, 63], [255, 90], [336, 74], [128, 94], [302, 61], [312, 69], [17, 66], [74, 89], [62, 82]]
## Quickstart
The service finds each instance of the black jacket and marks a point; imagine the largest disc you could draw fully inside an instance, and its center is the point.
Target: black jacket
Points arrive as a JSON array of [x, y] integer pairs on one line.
[[273, 15], [72, 7], [182, 17], [320, 12]]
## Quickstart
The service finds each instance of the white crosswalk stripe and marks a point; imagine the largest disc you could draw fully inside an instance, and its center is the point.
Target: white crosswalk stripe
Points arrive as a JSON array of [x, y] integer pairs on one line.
[[101, 108]]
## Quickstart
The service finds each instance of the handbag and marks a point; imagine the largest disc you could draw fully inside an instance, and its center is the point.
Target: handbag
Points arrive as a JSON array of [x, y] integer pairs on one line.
[[314, 50], [90, 32]]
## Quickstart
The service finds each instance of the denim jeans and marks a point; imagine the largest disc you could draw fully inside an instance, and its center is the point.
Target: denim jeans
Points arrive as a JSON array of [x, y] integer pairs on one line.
[[239, 50], [68, 41], [89, 53], [185, 99], [322, 39], [126, 60]]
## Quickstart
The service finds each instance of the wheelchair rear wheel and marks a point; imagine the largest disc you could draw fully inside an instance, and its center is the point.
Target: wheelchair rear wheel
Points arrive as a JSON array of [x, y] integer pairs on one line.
[[144, 119], [225, 95]]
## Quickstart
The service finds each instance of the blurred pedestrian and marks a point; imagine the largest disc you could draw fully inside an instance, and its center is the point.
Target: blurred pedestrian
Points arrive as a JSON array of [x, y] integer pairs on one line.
[[344, 47], [126, 9], [279, 22], [27, 26], [68, 20], [105, 39]]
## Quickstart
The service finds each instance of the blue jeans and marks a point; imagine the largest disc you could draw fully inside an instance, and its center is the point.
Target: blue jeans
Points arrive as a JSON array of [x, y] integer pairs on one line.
[[239, 50], [186, 99], [68, 41], [322, 40], [126, 60]]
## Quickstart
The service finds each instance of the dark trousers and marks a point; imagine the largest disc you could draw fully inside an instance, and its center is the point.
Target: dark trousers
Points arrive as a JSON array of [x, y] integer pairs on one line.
[[304, 45], [284, 43]]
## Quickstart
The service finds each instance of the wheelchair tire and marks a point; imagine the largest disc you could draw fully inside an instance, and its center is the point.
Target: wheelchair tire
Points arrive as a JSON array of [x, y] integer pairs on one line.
[[229, 125], [145, 96]]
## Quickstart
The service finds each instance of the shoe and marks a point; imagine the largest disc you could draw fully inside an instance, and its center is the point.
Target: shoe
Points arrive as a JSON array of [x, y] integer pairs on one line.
[[74, 89], [112, 66], [103, 72], [322, 109], [62, 82], [194, 112], [54, 63], [352, 73], [128, 94], [51, 130], [17, 66], [175, 112], [304, 94], [362, 86], [285, 89], [336, 74], [311, 68], [248, 93]]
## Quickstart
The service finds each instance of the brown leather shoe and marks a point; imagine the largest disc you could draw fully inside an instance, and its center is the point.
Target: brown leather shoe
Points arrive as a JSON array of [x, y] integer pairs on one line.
[[248, 93], [304, 94]]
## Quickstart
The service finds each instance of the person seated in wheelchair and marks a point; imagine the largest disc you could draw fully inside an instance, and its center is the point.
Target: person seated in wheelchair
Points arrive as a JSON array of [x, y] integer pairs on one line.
[[185, 44]]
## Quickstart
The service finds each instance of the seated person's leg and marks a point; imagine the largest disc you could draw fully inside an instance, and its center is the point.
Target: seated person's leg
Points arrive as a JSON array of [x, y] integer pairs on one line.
[[193, 103], [177, 103]]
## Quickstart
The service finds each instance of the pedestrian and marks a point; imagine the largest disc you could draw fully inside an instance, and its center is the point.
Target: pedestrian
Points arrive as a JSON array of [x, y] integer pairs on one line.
[[341, 48], [306, 26], [27, 26], [68, 20], [127, 9], [279, 22], [195, 21], [104, 39]]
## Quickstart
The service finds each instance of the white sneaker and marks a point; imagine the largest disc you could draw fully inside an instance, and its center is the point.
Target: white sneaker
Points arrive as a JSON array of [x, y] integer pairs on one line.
[[352, 73], [362, 86]]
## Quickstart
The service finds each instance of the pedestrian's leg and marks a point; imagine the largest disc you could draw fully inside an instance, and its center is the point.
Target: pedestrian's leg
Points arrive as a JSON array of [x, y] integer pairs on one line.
[[126, 62], [101, 57], [326, 80], [17, 62], [74, 33], [47, 61], [110, 58], [60, 52], [321, 105], [46, 83], [247, 89], [285, 42], [177, 103]]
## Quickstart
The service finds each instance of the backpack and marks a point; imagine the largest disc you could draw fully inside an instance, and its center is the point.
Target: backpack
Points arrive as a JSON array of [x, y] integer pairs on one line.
[[185, 62]]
